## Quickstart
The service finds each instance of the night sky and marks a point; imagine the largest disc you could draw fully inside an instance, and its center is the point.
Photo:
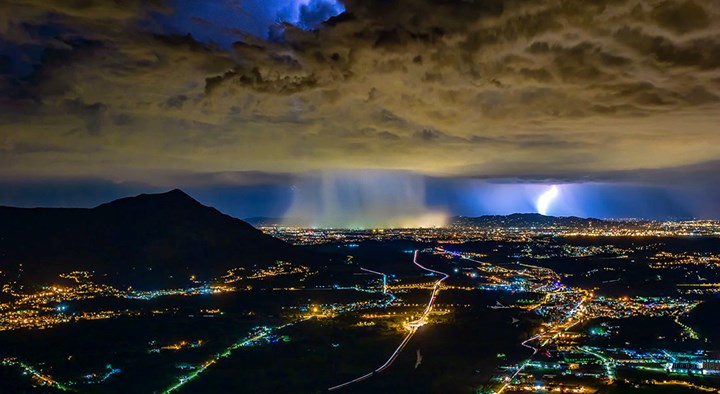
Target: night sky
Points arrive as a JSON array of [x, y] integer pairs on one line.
[[365, 112]]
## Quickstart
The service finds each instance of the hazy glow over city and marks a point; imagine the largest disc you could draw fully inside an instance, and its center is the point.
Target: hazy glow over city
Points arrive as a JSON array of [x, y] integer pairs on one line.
[[362, 199]]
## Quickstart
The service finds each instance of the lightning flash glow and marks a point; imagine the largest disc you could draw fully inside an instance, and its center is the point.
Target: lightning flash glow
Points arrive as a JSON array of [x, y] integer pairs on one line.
[[545, 199]]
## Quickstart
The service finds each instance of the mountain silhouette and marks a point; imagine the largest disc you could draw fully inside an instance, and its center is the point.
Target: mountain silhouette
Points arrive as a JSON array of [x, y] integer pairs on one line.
[[149, 239], [527, 220]]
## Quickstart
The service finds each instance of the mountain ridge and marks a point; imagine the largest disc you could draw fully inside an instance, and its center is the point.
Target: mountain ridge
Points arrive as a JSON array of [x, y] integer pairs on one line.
[[142, 240], [526, 220]]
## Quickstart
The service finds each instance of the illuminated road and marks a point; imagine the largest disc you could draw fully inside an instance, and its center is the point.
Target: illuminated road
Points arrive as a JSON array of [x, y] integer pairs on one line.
[[226, 353], [525, 343], [249, 340], [384, 276], [608, 363], [412, 328], [551, 334], [573, 317], [44, 379], [436, 287], [524, 364]]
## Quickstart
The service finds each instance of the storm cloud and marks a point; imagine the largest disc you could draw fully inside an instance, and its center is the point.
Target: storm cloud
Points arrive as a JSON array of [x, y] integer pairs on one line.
[[538, 90]]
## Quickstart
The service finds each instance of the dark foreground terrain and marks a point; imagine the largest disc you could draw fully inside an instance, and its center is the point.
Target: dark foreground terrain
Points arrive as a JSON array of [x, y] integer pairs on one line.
[[159, 294]]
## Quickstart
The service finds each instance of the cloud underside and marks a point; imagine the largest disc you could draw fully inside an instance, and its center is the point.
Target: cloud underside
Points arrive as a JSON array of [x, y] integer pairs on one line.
[[560, 89]]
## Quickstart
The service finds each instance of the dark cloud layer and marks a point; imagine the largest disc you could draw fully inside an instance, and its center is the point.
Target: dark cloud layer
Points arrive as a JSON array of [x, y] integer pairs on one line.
[[564, 89]]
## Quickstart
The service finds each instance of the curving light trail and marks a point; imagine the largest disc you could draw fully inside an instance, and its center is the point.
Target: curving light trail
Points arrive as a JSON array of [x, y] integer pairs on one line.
[[412, 326]]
